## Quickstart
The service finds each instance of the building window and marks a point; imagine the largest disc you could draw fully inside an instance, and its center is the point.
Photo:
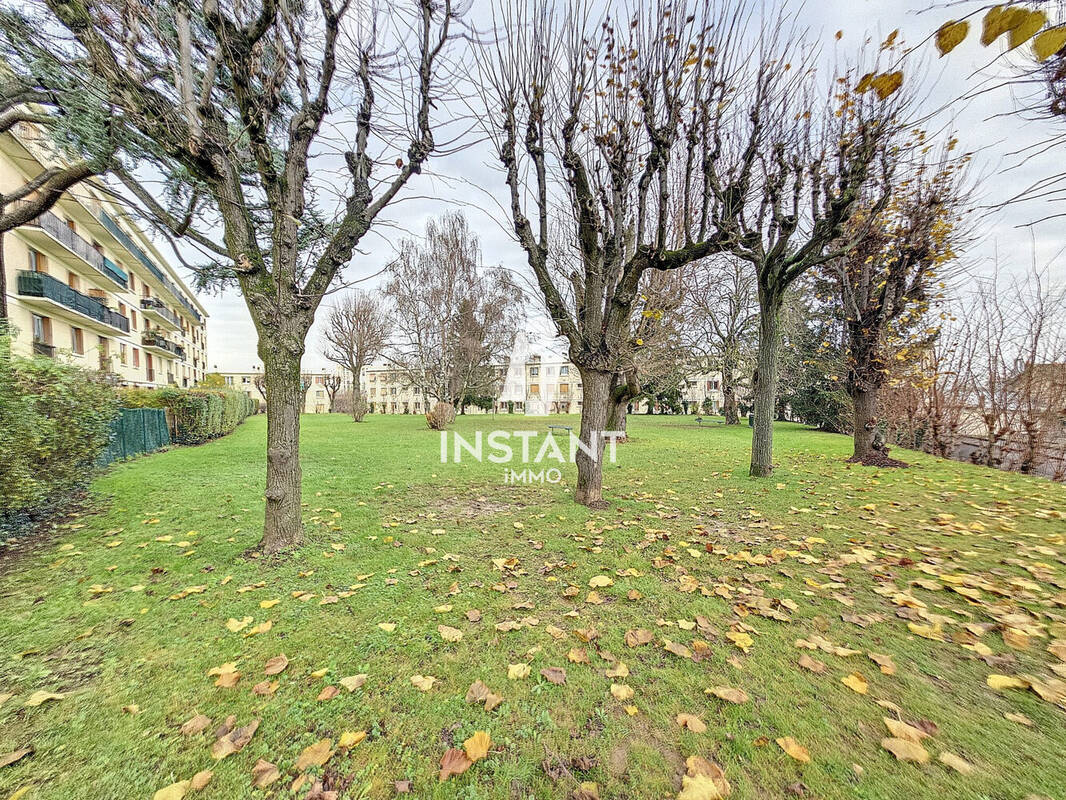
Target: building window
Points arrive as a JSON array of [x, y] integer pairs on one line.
[[38, 262], [534, 388], [136, 357], [122, 354], [229, 380], [564, 371], [133, 282], [72, 280], [534, 372], [42, 329], [77, 341], [564, 388], [133, 320]]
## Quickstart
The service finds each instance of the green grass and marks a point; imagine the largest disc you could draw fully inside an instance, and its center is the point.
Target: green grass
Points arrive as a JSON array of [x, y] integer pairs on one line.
[[86, 612]]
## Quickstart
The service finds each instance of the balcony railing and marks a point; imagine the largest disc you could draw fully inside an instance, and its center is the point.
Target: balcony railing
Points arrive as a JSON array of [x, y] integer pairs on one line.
[[42, 349], [62, 233], [158, 342], [39, 284], [113, 228], [156, 306]]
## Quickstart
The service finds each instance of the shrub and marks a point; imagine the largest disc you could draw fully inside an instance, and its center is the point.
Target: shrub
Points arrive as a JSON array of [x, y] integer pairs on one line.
[[440, 415], [359, 409], [197, 415], [55, 420]]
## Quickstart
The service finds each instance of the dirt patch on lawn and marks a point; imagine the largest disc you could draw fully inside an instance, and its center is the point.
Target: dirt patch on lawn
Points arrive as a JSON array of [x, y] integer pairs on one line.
[[878, 459]]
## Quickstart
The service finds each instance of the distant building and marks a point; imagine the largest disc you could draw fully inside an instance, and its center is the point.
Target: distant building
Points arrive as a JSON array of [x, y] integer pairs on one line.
[[316, 398]]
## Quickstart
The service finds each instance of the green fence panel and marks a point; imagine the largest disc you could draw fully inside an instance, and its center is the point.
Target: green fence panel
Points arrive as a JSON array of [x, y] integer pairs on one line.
[[136, 431]]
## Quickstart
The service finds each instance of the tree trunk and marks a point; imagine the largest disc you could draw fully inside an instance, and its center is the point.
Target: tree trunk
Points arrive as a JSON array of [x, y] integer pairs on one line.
[[596, 391], [616, 418], [865, 407], [729, 391], [762, 441], [283, 526]]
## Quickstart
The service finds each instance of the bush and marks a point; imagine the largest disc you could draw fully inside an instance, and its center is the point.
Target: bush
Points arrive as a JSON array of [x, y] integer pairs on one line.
[[439, 417], [55, 421], [197, 415], [359, 409]]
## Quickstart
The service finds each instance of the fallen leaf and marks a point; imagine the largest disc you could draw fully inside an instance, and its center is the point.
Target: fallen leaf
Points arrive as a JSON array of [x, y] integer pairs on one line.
[[638, 637], [517, 672], [556, 675], [856, 682], [353, 682], [477, 746], [905, 750], [351, 738], [234, 741], [692, 722], [16, 755], [196, 724], [263, 774], [813, 664], [276, 665], [328, 693], [884, 662], [600, 582], [316, 755], [621, 691], [453, 762], [449, 634], [41, 696], [958, 764], [794, 749], [1001, 682], [200, 779], [175, 791], [728, 694], [901, 730], [423, 682]]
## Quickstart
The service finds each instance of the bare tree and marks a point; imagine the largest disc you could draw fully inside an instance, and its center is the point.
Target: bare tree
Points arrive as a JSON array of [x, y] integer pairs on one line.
[[357, 330], [885, 284], [721, 320], [333, 384], [819, 158], [643, 133], [232, 102], [454, 320]]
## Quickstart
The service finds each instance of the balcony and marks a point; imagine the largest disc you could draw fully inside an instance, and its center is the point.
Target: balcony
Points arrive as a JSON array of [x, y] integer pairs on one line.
[[113, 228], [42, 291], [155, 343], [42, 349], [154, 310], [48, 230]]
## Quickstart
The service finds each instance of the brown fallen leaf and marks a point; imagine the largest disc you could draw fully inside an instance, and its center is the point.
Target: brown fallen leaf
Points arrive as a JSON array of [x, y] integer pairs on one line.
[[227, 680], [315, 755], [638, 637], [16, 755], [453, 762], [692, 722], [264, 773], [812, 664], [234, 741], [200, 780], [265, 688], [276, 665], [884, 662], [794, 749], [905, 750], [677, 649], [556, 675], [402, 787], [328, 693], [197, 724]]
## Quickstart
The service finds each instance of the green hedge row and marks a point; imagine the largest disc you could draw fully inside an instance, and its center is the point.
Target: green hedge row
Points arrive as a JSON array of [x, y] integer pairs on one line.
[[55, 420], [199, 414]]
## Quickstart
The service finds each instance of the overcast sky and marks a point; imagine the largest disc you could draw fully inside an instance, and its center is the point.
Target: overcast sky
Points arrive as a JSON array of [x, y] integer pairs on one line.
[[472, 181]]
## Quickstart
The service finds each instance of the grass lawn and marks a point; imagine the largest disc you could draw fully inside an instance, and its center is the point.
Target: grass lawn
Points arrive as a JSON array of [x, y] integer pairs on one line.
[[947, 573]]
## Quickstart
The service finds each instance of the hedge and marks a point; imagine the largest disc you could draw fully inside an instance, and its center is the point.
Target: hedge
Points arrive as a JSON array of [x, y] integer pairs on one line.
[[198, 415], [55, 421]]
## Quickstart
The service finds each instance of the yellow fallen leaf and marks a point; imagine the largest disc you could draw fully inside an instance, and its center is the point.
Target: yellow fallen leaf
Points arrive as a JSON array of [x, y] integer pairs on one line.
[[794, 749], [1001, 682], [449, 634], [698, 787], [956, 763], [600, 582], [856, 682], [41, 696], [477, 746], [351, 738], [692, 722], [268, 603], [423, 682], [621, 691], [517, 672], [901, 730], [729, 694], [388, 627], [740, 639], [905, 750], [236, 625], [353, 682], [175, 791]]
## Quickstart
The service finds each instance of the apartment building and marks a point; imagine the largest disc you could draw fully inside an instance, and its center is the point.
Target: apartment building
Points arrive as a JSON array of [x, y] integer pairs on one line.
[[316, 398], [86, 285]]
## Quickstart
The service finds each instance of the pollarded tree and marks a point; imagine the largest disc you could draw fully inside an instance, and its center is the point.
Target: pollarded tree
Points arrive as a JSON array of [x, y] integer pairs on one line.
[[234, 103], [357, 331], [454, 320], [640, 134], [820, 158], [885, 284]]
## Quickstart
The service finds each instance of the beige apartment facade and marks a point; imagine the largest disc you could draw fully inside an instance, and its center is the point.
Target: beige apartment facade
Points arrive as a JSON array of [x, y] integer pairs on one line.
[[85, 285], [316, 398]]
